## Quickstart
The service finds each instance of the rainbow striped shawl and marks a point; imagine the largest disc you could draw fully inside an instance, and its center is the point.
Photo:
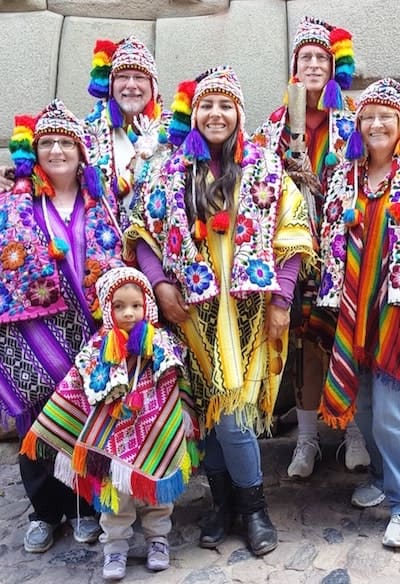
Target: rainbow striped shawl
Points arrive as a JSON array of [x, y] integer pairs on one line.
[[100, 450]]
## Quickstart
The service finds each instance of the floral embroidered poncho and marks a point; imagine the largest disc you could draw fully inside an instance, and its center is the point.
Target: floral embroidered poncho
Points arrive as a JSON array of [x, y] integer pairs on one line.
[[228, 279]]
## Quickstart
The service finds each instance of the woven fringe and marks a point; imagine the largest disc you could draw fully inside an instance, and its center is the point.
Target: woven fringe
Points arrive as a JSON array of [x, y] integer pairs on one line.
[[78, 461], [143, 488], [194, 454], [121, 477], [170, 488], [28, 446], [186, 467], [109, 499], [335, 421], [63, 471]]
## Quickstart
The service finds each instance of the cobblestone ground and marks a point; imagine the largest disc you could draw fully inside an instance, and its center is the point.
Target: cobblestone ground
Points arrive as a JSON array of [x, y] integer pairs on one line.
[[322, 539]]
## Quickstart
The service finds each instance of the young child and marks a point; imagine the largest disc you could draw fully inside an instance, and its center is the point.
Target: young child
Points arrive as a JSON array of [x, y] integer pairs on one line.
[[122, 416]]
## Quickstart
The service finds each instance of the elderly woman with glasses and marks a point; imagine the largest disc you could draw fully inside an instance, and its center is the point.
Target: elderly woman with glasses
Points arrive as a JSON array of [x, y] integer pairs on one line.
[[361, 279], [58, 234]]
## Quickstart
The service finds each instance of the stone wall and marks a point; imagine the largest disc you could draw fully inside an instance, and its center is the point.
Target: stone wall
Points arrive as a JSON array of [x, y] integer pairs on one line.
[[46, 46]]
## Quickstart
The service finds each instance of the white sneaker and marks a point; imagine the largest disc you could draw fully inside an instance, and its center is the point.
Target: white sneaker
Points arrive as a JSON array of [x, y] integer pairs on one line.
[[392, 533], [304, 455], [356, 454], [114, 566]]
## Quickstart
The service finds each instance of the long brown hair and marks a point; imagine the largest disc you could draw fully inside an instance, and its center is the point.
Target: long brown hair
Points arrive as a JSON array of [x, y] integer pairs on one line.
[[212, 197]]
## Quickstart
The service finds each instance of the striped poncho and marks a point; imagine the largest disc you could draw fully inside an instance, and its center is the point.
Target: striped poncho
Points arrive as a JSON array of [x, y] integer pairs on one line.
[[361, 267]]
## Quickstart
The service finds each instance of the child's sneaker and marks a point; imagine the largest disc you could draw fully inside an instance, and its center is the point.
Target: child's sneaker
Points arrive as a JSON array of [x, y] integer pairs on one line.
[[157, 554], [114, 566]]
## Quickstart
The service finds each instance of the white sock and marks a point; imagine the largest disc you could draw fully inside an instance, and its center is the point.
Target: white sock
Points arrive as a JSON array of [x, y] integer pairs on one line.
[[307, 423], [353, 429]]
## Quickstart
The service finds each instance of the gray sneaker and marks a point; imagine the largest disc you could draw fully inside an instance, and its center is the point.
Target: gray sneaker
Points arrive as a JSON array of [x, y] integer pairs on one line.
[[157, 554], [39, 537], [367, 495], [304, 456], [86, 529], [114, 566]]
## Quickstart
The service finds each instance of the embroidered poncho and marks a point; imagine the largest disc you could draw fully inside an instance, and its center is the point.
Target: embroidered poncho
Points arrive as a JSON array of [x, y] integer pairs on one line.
[[228, 280], [45, 305]]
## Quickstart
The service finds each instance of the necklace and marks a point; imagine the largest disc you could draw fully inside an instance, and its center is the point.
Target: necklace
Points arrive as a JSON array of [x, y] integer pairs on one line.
[[382, 186]]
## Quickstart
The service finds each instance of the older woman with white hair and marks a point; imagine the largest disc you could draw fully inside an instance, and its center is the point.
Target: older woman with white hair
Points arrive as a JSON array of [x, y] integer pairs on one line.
[[361, 278]]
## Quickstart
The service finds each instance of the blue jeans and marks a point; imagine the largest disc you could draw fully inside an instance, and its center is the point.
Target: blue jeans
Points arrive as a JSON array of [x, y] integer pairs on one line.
[[364, 420], [386, 432], [230, 448]]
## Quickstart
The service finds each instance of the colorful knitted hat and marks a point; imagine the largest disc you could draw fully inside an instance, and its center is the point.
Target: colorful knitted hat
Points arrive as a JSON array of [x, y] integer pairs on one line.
[[182, 128], [337, 41], [383, 92], [109, 57], [109, 282], [54, 119]]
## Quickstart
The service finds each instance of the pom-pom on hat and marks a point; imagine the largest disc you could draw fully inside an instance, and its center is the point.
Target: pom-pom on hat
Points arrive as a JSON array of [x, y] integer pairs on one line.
[[182, 128], [337, 41], [109, 58], [109, 282]]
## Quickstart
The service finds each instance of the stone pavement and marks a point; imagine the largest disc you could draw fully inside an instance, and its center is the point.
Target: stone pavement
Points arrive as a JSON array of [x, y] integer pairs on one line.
[[322, 539]]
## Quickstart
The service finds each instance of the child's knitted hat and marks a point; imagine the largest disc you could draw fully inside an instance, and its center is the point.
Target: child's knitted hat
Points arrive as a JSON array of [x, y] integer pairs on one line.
[[109, 282]]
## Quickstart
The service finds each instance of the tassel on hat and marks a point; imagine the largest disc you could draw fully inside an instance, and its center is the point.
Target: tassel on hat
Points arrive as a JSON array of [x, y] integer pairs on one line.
[[101, 68], [181, 107]]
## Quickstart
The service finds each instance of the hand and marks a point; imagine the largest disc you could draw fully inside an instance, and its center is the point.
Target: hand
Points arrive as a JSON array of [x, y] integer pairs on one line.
[[277, 321], [299, 170], [171, 302], [6, 178]]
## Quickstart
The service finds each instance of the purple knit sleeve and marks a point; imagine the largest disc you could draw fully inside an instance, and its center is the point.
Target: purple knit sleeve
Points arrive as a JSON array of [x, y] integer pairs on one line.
[[287, 278], [150, 264]]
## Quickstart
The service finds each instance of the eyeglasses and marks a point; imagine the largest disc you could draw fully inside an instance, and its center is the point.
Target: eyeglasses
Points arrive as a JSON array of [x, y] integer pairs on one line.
[[137, 78], [382, 118], [63, 143], [321, 58]]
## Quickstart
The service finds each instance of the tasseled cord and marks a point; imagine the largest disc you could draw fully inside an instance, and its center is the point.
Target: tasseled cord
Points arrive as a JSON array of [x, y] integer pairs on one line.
[[57, 247], [331, 98], [114, 346], [354, 151]]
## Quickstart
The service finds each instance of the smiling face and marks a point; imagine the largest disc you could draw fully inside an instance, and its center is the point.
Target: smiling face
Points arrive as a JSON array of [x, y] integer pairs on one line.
[[128, 306], [58, 155], [132, 91], [314, 65], [380, 128], [216, 118]]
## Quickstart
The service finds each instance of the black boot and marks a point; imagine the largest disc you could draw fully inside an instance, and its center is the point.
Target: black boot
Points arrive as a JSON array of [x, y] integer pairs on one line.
[[219, 523], [261, 534]]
